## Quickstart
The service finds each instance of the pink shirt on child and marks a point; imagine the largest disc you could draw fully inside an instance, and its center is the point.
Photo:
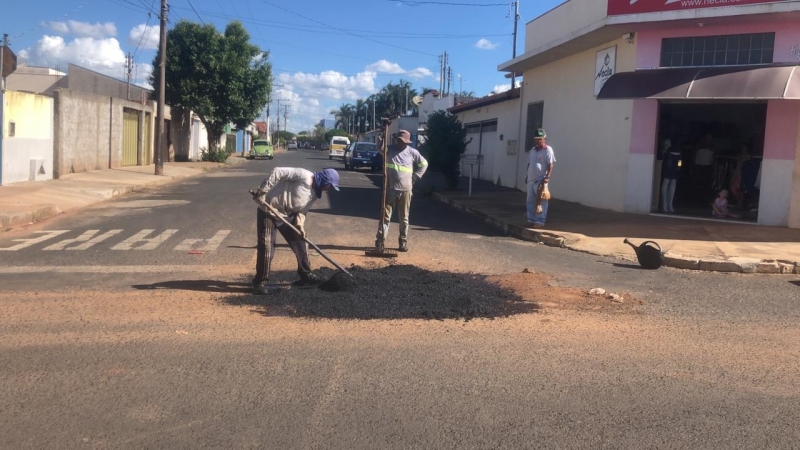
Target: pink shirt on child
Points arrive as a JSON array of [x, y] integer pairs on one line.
[[722, 205]]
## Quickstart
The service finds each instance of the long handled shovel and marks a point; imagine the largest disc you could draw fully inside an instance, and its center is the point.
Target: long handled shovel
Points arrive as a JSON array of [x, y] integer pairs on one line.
[[275, 213], [381, 251]]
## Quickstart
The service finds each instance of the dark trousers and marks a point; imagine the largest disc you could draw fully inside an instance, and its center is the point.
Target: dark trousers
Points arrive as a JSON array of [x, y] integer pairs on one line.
[[267, 233]]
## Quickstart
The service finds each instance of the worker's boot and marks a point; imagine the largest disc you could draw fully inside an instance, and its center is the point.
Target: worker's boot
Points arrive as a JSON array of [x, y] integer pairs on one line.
[[403, 247], [307, 279], [260, 289]]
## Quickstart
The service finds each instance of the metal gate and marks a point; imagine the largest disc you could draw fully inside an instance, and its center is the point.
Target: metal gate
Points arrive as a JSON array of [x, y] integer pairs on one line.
[[195, 155], [130, 138], [147, 158]]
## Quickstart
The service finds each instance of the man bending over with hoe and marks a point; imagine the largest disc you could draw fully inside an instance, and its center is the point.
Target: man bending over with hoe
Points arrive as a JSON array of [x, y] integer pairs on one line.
[[290, 192]]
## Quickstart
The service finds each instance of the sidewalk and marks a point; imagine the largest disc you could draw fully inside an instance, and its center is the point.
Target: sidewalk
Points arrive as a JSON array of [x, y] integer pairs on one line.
[[689, 244], [24, 203]]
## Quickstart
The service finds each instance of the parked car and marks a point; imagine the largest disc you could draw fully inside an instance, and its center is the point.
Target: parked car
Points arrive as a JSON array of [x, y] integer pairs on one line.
[[362, 154], [261, 149], [324, 147], [292, 145], [338, 144]]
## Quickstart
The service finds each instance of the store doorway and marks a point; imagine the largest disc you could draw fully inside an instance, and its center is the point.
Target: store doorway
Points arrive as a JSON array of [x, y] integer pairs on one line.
[[707, 148]]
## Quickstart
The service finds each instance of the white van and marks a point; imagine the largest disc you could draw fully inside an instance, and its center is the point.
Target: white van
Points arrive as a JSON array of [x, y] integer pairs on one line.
[[338, 144]]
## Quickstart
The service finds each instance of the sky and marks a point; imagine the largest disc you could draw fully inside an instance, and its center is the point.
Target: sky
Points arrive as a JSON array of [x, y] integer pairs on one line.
[[323, 52]]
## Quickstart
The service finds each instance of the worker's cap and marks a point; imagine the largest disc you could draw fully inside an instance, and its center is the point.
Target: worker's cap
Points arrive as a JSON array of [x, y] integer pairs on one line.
[[404, 136], [539, 134], [325, 178]]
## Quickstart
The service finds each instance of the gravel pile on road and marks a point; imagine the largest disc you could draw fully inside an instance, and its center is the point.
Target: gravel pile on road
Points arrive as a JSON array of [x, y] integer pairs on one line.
[[396, 292]]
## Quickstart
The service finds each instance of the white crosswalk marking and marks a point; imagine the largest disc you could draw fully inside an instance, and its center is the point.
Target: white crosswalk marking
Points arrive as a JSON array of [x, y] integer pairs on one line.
[[210, 244], [87, 238], [24, 243], [146, 243]]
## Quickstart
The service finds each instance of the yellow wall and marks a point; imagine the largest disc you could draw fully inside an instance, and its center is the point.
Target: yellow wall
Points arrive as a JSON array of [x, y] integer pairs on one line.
[[590, 137], [31, 113]]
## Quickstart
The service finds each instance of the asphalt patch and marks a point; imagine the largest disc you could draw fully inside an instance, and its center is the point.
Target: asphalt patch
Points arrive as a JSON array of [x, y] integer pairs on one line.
[[393, 292]]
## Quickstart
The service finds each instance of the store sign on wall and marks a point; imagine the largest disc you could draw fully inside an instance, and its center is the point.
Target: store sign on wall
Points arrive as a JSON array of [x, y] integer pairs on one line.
[[621, 7], [605, 67]]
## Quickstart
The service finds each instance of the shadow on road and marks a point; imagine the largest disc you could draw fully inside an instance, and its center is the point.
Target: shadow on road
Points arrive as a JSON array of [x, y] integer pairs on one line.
[[796, 283], [394, 292], [629, 266], [198, 285], [425, 213]]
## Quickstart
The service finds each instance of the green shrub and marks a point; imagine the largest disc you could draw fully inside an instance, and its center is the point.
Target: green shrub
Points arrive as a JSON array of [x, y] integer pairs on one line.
[[220, 155], [447, 141]]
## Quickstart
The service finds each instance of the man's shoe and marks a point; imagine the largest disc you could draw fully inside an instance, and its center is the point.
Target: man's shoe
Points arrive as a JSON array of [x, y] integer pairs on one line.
[[403, 246], [307, 279], [260, 289]]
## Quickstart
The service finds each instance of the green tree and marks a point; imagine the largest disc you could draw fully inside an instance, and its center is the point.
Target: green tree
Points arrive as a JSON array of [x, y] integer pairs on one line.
[[285, 136], [447, 141], [336, 132], [222, 77]]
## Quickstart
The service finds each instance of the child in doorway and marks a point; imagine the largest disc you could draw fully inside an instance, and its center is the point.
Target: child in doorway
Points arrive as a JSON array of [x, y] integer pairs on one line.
[[720, 206]]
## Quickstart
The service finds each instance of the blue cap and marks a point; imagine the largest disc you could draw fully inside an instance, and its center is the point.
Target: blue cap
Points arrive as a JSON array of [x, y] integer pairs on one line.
[[324, 178]]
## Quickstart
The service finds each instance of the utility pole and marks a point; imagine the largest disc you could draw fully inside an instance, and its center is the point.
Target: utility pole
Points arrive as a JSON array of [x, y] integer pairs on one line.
[[162, 81], [286, 117], [460, 84], [2, 101], [269, 101], [449, 78], [514, 54], [129, 70]]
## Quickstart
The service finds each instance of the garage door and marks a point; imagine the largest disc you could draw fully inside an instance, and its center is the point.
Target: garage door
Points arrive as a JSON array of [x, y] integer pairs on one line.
[[130, 138]]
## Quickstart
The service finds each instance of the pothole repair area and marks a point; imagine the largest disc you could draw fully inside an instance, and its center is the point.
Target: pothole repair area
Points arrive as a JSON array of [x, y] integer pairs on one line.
[[409, 292]]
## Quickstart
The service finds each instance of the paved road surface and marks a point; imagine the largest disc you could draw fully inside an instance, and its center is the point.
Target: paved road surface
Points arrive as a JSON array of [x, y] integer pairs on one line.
[[115, 336]]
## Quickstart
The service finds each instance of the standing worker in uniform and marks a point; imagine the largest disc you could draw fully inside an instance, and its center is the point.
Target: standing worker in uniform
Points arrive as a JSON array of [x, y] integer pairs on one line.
[[290, 192], [540, 168], [404, 167]]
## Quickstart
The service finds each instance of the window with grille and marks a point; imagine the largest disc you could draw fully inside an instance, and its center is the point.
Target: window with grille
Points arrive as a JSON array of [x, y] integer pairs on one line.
[[737, 49]]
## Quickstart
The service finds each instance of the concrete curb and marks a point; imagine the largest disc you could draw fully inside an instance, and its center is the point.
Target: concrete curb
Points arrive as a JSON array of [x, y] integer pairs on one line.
[[733, 265], [49, 211]]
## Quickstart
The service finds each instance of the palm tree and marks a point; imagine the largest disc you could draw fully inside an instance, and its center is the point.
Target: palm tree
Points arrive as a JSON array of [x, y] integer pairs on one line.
[[343, 115]]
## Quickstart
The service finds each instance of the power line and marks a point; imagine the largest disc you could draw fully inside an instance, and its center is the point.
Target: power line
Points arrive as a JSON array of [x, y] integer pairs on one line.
[[415, 3], [195, 11], [43, 24], [315, 29], [141, 38], [347, 32]]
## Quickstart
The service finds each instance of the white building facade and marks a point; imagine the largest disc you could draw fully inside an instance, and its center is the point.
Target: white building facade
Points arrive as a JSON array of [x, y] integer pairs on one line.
[[617, 83]]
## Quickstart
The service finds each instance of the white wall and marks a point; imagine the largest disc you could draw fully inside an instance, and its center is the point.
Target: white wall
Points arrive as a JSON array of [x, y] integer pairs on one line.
[[567, 18], [590, 137], [33, 138], [497, 162]]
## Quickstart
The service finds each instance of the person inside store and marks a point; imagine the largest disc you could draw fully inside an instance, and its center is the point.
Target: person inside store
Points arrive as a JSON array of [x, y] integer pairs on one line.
[[703, 168], [670, 172], [719, 208], [738, 188]]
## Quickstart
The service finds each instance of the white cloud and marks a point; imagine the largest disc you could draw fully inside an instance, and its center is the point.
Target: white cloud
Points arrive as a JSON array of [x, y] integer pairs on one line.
[[148, 34], [59, 27], [384, 66], [498, 88], [485, 44], [84, 29], [101, 55]]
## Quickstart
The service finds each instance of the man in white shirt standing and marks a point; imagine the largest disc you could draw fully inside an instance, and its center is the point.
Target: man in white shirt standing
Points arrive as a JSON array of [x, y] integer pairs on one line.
[[540, 168]]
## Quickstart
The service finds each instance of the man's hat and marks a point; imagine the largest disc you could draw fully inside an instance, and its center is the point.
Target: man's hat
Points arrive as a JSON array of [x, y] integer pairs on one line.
[[539, 134], [405, 136]]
